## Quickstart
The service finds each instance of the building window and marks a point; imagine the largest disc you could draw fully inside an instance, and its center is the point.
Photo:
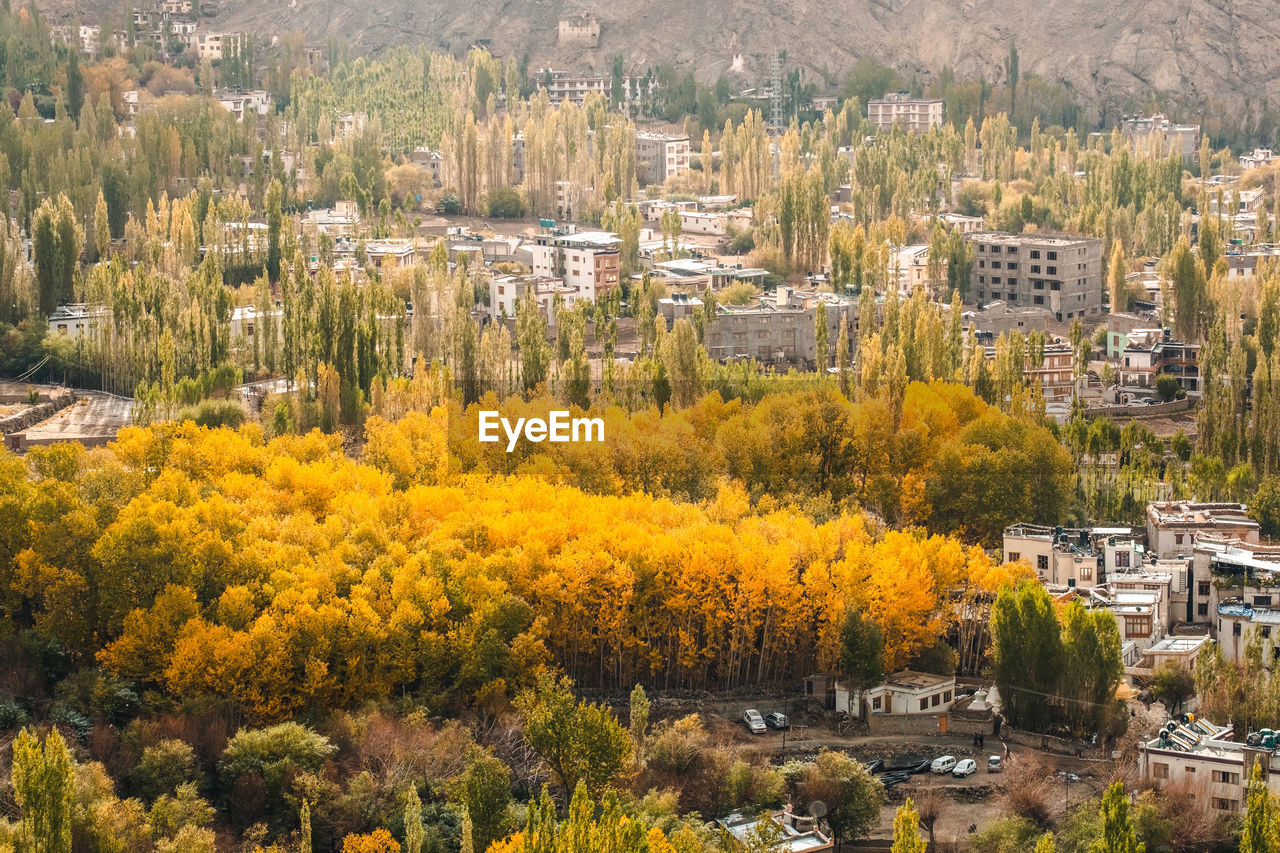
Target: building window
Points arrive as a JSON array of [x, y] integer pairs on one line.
[[937, 699], [1235, 629], [875, 704], [924, 704], [946, 696], [1015, 556], [1177, 537], [1203, 588], [1055, 285], [1035, 253], [1226, 777], [1053, 256], [1159, 771], [1052, 271], [1035, 269], [1202, 610], [1012, 265], [1258, 600], [1122, 559], [1224, 805], [1042, 562], [995, 265]]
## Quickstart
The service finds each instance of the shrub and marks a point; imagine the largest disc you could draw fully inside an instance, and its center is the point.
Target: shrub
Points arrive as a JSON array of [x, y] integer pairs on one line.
[[214, 414], [505, 203], [164, 767]]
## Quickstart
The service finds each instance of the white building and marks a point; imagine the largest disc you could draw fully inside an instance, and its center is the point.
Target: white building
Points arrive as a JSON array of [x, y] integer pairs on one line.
[[660, 156], [1174, 527], [915, 115], [1204, 756], [78, 320], [587, 262], [911, 693], [240, 103]]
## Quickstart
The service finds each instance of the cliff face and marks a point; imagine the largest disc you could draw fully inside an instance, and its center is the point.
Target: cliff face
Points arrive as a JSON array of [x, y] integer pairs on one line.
[[1221, 51]]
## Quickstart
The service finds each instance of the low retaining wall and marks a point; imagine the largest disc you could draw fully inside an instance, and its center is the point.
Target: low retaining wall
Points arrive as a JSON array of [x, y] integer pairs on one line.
[[35, 414], [1139, 411]]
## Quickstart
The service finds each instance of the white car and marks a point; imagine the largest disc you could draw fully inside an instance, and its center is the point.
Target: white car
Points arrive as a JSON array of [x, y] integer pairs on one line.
[[965, 768], [943, 765], [755, 722], [995, 764]]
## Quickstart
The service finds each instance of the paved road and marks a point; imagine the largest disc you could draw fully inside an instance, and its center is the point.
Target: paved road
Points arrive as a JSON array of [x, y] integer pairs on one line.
[[94, 419]]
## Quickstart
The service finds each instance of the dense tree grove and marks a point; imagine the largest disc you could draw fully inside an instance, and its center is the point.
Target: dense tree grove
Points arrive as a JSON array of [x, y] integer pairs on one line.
[[1055, 667], [172, 592]]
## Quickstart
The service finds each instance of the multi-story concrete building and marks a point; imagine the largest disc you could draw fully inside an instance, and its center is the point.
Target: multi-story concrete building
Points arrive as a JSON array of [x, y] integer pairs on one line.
[[1141, 362], [240, 103], [1057, 272], [562, 86], [214, 46], [586, 262], [1173, 528], [915, 115], [1258, 158], [778, 330], [1159, 136], [1206, 758], [660, 156]]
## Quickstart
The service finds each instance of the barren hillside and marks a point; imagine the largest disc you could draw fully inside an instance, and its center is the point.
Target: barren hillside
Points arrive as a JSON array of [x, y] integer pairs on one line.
[[1219, 50]]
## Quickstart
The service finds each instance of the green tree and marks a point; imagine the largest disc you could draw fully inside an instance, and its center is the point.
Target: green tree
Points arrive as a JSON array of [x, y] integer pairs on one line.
[[1118, 834], [101, 228], [852, 795], [1092, 666], [275, 222], [485, 793], [639, 720], [1258, 832], [1167, 386], [43, 784], [906, 830], [531, 340], [861, 650], [304, 828], [413, 831], [1011, 72], [1190, 291], [580, 742], [1026, 653], [1116, 284], [56, 239], [1265, 506], [1173, 685]]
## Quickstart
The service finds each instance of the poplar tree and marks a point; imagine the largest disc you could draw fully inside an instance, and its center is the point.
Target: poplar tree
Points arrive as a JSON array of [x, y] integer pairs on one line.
[[43, 781]]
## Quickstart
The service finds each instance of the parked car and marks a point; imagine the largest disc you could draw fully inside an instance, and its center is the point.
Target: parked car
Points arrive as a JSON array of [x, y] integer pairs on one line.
[[967, 767], [777, 721], [994, 764], [943, 765], [755, 722], [875, 765]]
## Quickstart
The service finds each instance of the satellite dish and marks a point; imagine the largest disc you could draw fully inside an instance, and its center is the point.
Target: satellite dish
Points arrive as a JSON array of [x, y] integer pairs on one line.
[[818, 809]]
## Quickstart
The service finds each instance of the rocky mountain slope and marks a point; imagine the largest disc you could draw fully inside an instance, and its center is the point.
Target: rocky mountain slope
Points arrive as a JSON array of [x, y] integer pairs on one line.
[[1204, 50]]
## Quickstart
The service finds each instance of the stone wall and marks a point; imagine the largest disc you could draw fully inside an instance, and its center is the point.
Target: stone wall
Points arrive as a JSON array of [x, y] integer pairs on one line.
[[34, 415]]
